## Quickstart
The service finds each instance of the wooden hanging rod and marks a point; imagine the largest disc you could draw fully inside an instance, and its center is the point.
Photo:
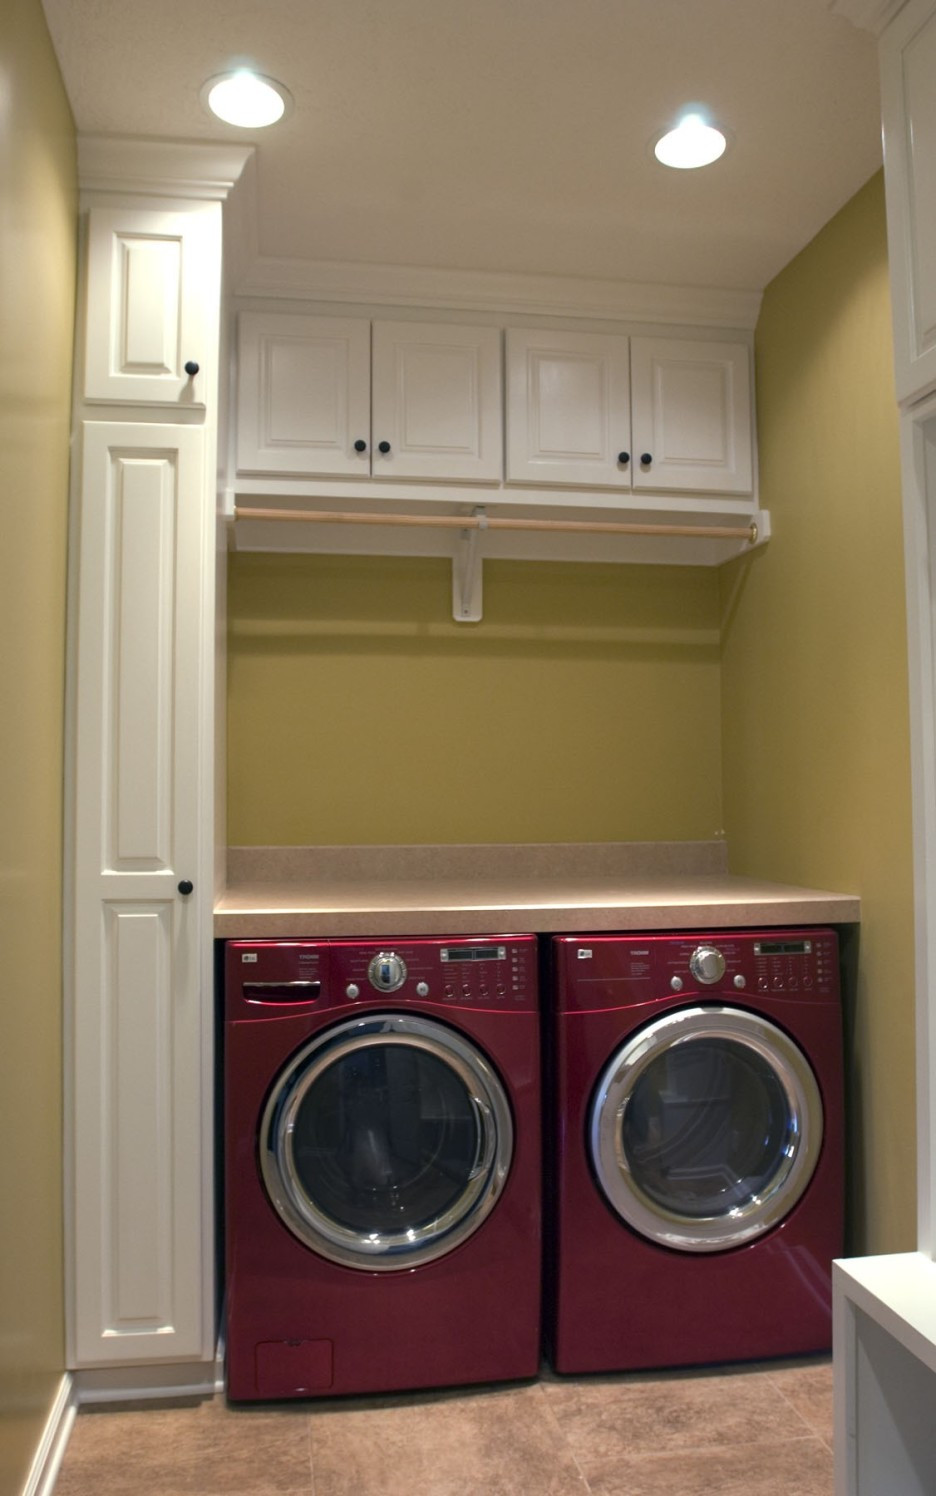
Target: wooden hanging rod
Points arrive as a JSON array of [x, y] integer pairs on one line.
[[496, 522]]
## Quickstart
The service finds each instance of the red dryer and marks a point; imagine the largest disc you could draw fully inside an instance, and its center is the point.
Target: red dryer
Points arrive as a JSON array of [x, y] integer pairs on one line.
[[382, 1164], [697, 1150]]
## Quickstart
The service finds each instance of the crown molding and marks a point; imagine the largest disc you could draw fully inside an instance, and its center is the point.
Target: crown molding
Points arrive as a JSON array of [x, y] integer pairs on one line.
[[144, 167], [867, 15], [493, 291]]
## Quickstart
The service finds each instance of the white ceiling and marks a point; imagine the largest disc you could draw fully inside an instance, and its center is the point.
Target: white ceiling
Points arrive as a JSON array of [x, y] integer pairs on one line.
[[507, 135]]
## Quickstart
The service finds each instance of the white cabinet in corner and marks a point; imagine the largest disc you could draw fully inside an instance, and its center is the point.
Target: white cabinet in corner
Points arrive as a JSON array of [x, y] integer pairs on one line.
[[152, 292], [908, 106], [141, 900], [635, 414], [344, 397]]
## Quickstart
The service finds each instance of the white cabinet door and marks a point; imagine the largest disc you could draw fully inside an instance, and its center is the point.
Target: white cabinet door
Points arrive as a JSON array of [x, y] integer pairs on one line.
[[303, 402], [691, 404], [305, 389], [152, 305], [141, 1017], [568, 408], [437, 402], [908, 98]]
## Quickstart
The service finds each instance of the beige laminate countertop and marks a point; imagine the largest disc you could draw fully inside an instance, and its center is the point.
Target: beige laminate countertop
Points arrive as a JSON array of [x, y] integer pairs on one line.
[[302, 892]]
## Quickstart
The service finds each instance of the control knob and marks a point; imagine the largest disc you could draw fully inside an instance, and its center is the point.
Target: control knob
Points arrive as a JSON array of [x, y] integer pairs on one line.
[[387, 971], [707, 964]]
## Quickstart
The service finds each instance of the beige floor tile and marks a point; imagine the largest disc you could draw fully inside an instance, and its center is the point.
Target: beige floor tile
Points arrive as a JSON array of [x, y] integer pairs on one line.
[[606, 1418], [809, 1389], [499, 1442], [203, 1450], [797, 1467]]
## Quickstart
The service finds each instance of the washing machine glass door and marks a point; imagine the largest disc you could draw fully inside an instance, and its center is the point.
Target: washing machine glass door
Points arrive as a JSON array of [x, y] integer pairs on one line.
[[705, 1128], [386, 1141]]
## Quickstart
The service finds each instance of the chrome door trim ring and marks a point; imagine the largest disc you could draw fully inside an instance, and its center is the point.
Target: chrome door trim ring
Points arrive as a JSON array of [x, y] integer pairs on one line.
[[406, 1249], [613, 1093]]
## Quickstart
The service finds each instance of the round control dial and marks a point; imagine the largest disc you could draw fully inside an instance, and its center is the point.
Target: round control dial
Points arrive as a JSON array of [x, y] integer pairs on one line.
[[387, 971], [707, 964]]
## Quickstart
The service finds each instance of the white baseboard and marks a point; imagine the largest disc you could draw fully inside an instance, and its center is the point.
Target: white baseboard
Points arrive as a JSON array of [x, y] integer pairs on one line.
[[134, 1383], [51, 1448]]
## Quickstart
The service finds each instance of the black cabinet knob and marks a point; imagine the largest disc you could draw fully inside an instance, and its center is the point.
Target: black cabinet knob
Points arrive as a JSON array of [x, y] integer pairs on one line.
[[360, 446], [191, 368], [383, 446], [186, 886], [623, 458], [646, 458]]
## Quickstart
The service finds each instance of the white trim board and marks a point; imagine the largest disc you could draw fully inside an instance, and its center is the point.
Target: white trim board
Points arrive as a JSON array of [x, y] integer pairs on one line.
[[50, 1450]]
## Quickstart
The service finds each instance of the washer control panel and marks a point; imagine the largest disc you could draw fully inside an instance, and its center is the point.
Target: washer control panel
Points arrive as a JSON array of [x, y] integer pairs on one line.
[[475, 972]]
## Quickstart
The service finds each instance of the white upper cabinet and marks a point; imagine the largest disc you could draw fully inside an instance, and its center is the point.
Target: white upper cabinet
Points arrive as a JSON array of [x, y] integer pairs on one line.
[[303, 394], [152, 294], [341, 397], [637, 414], [568, 408], [436, 401], [691, 406], [908, 95]]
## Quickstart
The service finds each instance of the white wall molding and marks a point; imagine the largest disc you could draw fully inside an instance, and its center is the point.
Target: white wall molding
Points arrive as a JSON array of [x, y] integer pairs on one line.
[[160, 168], [132, 1383], [50, 1450], [503, 292], [867, 15]]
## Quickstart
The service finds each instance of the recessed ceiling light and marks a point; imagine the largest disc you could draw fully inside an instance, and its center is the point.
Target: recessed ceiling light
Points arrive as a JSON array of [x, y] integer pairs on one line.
[[692, 143], [245, 99]]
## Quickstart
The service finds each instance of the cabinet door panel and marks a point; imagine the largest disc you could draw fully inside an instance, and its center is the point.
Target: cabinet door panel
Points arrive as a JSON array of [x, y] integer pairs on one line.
[[908, 79], [152, 294], [567, 408], [691, 413], [303, 394], [139, 1003], [437, 401]]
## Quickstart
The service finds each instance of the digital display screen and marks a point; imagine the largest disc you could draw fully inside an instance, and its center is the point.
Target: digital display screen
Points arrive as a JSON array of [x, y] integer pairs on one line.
[[473, 953], [782, 947]]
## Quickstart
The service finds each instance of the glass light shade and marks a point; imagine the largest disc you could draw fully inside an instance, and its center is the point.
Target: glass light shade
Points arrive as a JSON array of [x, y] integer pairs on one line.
[[245, 99], [693, 143]]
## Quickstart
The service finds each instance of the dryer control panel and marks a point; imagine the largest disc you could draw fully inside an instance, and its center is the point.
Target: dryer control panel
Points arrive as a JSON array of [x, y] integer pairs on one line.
[[620, 970], [481, 972]]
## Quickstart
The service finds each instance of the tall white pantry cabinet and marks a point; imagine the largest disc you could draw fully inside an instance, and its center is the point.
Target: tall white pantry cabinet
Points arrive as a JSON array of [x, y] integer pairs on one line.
[[885, 1307], [140, 900]]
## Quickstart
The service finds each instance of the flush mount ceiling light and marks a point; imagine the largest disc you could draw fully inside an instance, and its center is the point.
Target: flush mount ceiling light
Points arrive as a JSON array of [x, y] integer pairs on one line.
[[692, 143], [246, 99]]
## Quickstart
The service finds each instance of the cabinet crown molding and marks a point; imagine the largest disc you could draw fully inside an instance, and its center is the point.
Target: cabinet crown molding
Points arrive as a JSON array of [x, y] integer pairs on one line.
[[867, 15], [506, 293], [160, 168]]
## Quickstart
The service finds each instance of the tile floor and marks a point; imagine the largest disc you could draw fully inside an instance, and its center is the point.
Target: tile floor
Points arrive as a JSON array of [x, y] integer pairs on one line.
[[763, 1430]]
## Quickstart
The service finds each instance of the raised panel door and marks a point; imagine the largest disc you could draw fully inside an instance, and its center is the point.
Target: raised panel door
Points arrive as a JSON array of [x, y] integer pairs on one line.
[[691, 406], [152, 305], [140, 1006], [568, 411], [908, 94], [437, 402], [303, 397]]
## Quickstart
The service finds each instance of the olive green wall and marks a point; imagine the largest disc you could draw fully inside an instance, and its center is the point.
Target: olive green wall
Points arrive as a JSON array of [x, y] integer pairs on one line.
[[585, 706], [37, 281], [814, 682]]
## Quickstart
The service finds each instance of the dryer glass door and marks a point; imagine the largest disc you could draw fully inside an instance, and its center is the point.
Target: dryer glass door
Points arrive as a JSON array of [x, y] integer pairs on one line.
[[705, 1128], [386, 1141]]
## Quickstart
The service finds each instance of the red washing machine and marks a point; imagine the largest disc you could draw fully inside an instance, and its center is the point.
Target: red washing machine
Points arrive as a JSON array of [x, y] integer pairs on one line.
[[697, 1149], [382, 1164]]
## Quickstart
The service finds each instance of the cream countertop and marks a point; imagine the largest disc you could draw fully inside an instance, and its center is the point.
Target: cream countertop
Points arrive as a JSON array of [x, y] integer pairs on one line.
[[301, 892]]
